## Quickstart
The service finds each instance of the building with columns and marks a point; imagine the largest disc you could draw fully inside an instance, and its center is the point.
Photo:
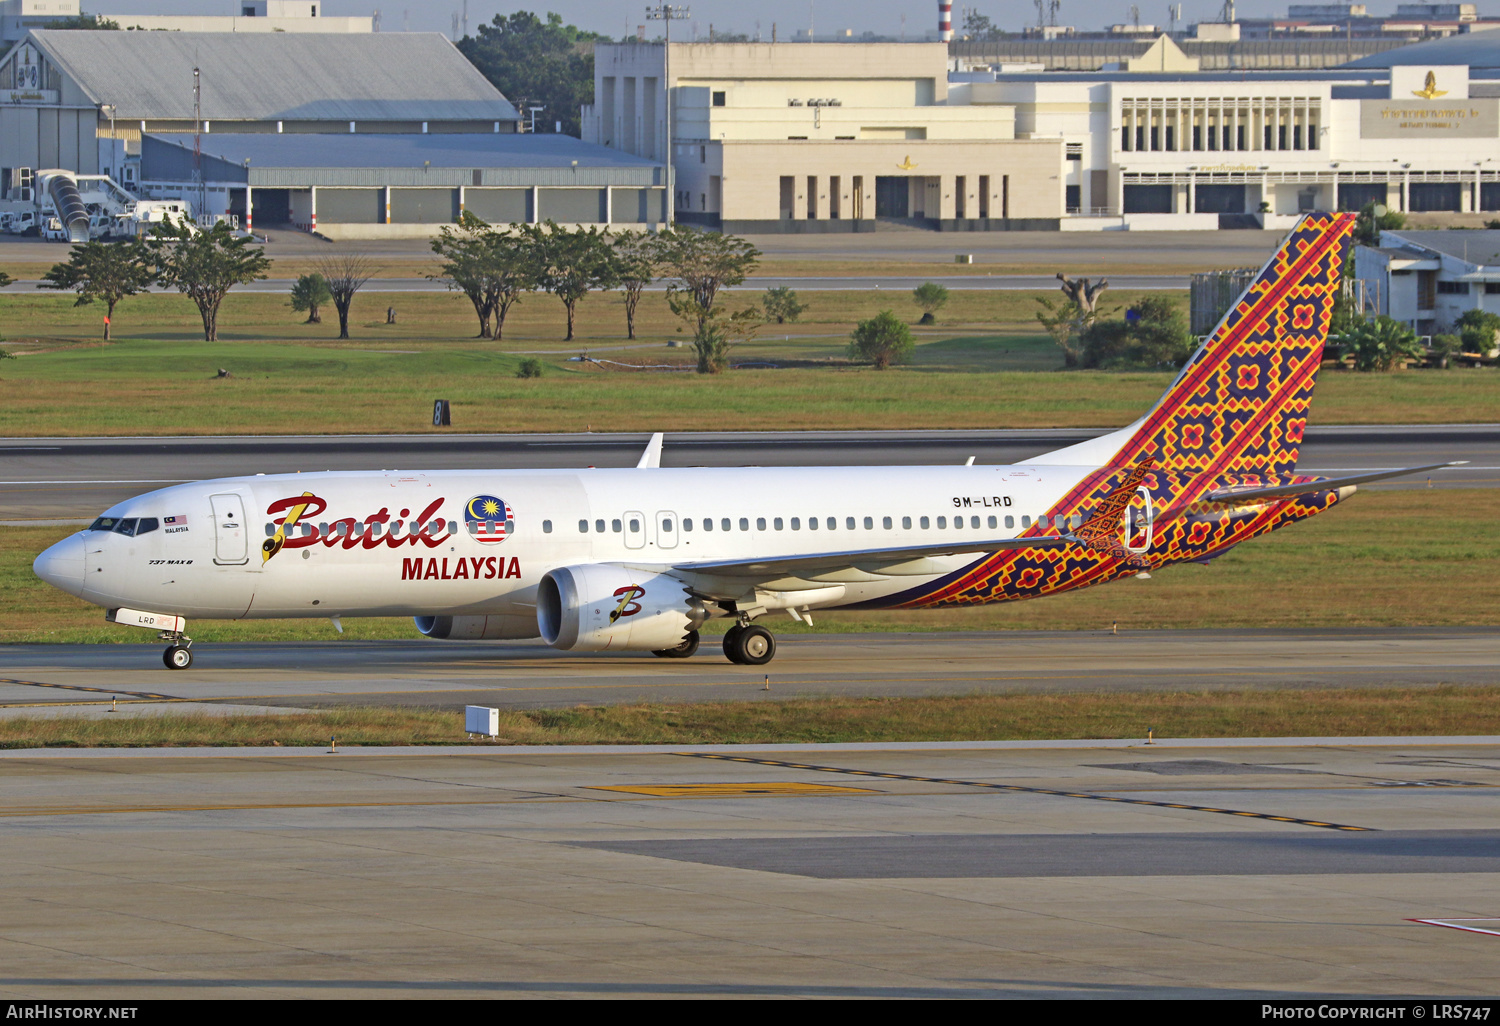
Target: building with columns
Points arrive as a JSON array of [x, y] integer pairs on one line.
[[837, 137], [822, 137]]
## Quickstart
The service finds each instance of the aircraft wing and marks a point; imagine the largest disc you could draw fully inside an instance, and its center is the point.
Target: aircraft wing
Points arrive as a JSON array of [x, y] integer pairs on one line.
[[865, 559], [1303, 487]]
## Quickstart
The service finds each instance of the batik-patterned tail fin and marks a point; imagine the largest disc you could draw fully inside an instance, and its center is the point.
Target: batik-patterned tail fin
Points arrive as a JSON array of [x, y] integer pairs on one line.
[[1240, 404]]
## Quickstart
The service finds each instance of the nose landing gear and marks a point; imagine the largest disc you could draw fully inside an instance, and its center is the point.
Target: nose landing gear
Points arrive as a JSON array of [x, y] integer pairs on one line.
[[179, 653]]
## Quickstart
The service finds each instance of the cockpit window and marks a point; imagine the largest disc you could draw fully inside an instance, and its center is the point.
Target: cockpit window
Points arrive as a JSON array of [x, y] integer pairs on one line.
[[146, 526], [126, 527], [104, 524]]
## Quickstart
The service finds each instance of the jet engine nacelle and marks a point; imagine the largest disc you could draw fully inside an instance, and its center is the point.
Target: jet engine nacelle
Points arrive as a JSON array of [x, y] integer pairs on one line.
[[468, 628], [597, 608]]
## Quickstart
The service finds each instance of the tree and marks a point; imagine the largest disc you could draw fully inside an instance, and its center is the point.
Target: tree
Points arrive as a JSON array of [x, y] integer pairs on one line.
[[1477, 331], [345, 275], [203, 265], [536, 63], [882, 340], [493, 268], [88, 22], [1444, 349], [636, 257], [1153, 333], [978, 28], [781, 305], [700, 264], [571, 263], [930, 296], [107, 271], [309, 292], [1384, 344], [1065, 322], [721, 332], [1368, 225]]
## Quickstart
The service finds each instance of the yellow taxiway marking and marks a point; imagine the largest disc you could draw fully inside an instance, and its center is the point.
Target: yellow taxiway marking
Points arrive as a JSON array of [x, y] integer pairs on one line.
[[1023, 789], [789, 787]]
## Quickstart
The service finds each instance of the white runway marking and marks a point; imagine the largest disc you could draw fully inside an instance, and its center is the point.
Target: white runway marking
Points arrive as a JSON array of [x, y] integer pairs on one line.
[[1459, 924]]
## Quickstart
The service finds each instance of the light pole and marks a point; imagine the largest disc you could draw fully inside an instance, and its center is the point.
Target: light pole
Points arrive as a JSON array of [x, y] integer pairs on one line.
[[668, 13], [533, 117]]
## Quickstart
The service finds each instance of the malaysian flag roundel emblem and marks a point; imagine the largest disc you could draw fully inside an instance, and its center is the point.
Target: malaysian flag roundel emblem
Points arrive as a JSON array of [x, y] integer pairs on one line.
[[488, 518]]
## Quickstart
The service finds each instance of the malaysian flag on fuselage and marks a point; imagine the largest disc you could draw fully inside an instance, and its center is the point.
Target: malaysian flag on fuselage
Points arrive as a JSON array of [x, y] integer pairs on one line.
[[489, 518]]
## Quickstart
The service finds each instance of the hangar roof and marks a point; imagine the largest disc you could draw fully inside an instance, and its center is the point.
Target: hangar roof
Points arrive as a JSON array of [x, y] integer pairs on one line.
[[389, 76], [297, 160], [1476, 49]]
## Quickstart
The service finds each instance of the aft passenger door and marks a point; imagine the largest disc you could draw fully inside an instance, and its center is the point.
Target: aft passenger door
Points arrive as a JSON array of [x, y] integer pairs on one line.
[[1140, 521], [231, 534]]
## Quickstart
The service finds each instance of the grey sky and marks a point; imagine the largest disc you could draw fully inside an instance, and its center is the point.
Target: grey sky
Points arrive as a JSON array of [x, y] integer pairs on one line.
[[616, 17]]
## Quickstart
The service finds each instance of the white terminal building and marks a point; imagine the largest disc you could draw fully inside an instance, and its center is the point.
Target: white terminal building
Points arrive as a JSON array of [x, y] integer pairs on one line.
[[807, 137]]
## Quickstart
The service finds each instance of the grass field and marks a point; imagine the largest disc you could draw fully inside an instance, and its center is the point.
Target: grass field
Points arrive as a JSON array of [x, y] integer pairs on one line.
[[1383, 558], [984, 365], [1335, 713]]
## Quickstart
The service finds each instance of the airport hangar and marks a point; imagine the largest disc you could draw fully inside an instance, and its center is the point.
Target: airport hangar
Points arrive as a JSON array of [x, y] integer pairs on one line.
[[817, 137], [378, 135]]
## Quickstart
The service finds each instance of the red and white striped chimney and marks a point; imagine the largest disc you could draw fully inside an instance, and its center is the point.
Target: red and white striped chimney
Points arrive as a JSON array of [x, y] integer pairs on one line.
[[945, 20]]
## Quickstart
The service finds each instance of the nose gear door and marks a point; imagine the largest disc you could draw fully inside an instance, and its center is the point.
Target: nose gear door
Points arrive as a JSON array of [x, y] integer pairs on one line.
[[231, 534]]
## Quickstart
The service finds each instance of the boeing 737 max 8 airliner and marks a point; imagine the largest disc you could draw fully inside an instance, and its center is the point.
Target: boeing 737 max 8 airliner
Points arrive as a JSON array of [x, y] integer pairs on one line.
[[637, 560]]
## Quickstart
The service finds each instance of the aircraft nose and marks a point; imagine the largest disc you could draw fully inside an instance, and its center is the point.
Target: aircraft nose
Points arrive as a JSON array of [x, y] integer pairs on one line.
[[62, 565]]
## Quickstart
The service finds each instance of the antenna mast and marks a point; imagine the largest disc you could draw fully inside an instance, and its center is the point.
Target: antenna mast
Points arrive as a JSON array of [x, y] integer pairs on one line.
[[198, 142]]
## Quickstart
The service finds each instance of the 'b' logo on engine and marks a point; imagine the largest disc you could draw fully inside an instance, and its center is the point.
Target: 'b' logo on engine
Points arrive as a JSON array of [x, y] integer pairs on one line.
[[628, 605]]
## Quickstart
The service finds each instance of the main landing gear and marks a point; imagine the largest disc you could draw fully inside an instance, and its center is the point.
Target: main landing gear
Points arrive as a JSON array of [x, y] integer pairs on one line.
[[687, 648], [179, 654], [749, 645]]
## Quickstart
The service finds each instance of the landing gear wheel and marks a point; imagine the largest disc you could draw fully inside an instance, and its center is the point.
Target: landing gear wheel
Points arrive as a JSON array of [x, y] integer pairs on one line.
[[732, 643], [749, 645], [178, 657], [683, 651], [757, 646]]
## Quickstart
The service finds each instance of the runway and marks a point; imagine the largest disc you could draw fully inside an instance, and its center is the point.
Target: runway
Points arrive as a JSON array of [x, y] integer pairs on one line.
[[1086, 869], [524, 675], [77, 478]]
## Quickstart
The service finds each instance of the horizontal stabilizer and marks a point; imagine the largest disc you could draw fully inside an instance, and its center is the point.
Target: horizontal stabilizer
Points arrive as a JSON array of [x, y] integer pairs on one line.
[[1325, 484]]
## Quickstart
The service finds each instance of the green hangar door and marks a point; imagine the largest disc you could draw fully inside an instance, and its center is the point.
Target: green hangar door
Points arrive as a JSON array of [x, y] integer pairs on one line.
[[892, 196], [424, 206]]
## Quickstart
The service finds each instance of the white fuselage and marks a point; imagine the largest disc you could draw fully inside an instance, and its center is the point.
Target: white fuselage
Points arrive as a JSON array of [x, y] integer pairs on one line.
[[352, 552]]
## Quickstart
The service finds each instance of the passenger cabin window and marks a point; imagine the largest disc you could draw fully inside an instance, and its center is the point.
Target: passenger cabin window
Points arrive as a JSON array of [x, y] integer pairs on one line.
[[744, 524], [635, 526], [1010, 522], [583, 527], [1025, 521], [666, 526], [993, 523], [974, 522], [796, 523], [724, 524], [687, 523], [616, 526], [760, 523], [776, 523], [833, 523], [906, 523], [886, 523], [848, 523], [546, 527], [708, 523], [942, 522], [599, 526], [869, 523], [925, 523]]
